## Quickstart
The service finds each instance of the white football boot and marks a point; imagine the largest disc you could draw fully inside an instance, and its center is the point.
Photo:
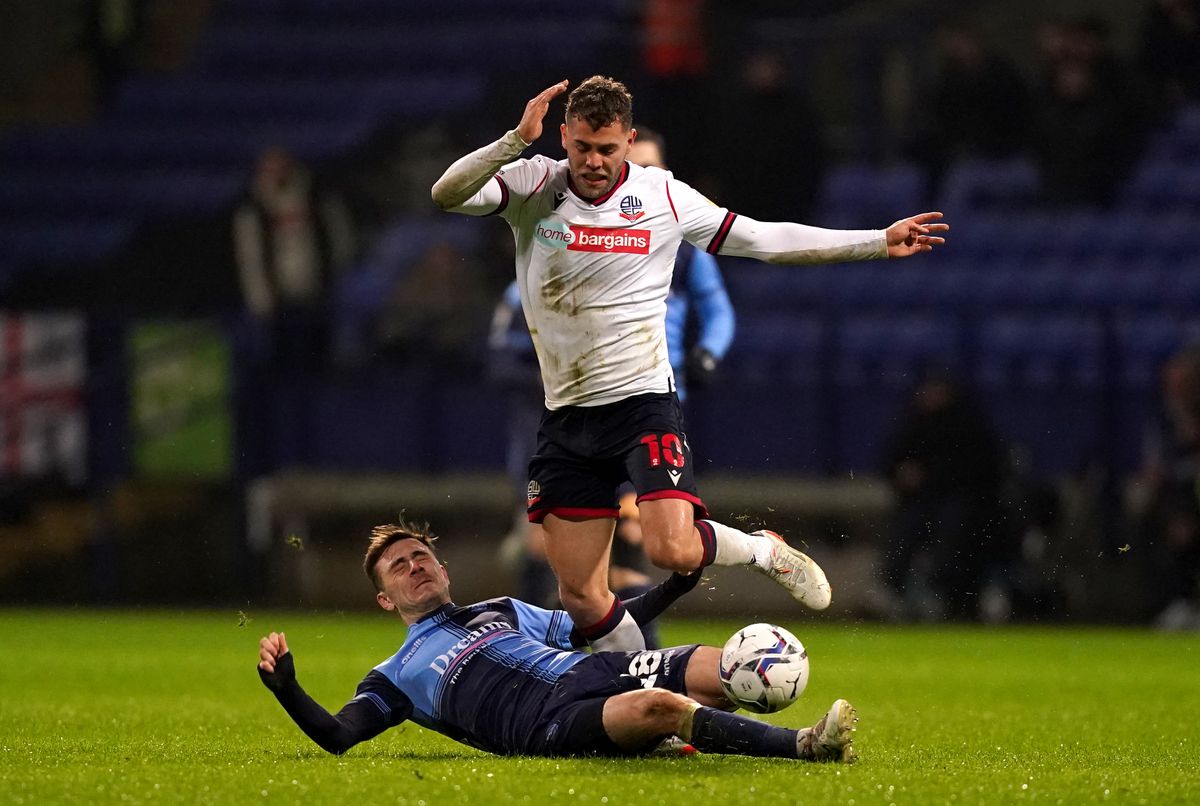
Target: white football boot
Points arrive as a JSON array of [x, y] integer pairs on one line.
[[832, 738], [795, 571]]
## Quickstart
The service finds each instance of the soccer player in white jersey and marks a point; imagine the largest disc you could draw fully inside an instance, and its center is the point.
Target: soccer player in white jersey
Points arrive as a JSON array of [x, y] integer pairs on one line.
[[596, 238]]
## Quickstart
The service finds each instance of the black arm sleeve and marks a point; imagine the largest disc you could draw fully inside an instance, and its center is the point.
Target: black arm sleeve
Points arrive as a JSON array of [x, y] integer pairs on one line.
[[364, 717], [651, 604]]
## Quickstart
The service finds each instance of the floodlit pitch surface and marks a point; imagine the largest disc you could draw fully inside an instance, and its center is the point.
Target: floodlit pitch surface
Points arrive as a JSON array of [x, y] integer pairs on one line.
[[156, 707]]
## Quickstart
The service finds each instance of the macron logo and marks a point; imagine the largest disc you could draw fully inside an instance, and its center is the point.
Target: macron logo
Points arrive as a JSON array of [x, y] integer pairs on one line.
[[601, 239]]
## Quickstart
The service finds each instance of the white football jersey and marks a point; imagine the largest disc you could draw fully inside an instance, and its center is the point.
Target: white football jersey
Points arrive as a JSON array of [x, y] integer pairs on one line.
[[594, 275]]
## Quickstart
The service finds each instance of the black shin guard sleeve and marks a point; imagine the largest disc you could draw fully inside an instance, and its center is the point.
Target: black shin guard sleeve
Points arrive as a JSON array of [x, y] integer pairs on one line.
[[715, 731]]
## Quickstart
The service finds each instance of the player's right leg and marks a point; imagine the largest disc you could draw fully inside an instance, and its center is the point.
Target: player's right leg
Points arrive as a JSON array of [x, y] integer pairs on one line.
[[658, 461], [572, 493], [578, 549]]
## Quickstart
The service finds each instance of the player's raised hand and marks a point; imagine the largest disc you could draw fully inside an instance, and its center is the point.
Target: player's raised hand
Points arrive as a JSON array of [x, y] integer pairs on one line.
[[276, 666], [270, 649], [908, 236], [530, 127]]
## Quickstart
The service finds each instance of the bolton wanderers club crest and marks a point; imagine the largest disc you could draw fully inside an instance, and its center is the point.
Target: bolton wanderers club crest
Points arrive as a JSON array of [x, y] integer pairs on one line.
[[631, 208]]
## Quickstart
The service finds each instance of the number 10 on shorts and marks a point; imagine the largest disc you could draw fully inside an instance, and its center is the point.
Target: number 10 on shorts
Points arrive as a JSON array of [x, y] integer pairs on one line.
[[667, 448]]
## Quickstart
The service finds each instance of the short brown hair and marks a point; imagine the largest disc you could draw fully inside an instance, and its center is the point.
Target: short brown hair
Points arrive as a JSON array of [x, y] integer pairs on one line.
[[600, 101], [385, 535]]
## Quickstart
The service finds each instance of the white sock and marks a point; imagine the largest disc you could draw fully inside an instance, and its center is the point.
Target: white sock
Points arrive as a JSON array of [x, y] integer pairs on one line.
[[625, 637], [735, 547]]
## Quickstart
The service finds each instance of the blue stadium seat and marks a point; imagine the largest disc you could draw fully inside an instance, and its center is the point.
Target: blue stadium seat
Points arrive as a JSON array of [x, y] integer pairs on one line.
[[775, 347], [978, 185], [877, 359], [1043, 379], [891, 349], [1144, 342], [1002, 238], [1048, 351], [756, 287], [58, 240], [1023, 287], [1162, 187], [854, 195], [778, 365], [148, 193], [365, 50]]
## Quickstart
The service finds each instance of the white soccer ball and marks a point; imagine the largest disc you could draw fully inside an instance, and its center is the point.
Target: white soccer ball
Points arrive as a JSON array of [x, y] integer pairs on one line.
[[764, 668]]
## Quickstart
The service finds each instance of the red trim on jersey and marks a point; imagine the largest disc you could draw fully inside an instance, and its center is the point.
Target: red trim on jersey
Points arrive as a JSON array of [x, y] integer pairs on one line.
[[659, 495], [503, 196], [670, 201], [718, 240], [539, 185], [539, 515], [608, 193]]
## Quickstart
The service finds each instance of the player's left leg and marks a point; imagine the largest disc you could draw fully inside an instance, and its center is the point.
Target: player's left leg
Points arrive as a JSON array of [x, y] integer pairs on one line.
[[658, 461], [675, 541], [638, 720], [712, 731]]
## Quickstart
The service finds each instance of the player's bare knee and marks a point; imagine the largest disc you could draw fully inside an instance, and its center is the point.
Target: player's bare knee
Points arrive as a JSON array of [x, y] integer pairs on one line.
[[671, 552], [580, 598], [660, 709]]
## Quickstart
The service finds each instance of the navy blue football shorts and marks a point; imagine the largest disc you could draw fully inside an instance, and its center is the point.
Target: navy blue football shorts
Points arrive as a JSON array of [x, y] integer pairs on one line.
[[584, 453], [572, 722]]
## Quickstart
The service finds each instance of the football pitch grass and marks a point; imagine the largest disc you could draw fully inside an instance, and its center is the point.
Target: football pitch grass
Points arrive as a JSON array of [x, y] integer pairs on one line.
[[165, 707]]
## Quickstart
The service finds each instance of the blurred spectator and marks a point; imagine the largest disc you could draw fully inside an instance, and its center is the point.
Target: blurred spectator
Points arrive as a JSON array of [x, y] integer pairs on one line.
[[392, 176], [1089, 116], [761, 112], [673, 69], [436, 313], [674, 41], [291, 239], [1170, 49], [980, 103], [112, 33], [946, 467], [1171, 474]]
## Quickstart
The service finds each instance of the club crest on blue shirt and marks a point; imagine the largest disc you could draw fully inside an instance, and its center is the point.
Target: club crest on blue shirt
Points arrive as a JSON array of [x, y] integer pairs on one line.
[[631, 208]]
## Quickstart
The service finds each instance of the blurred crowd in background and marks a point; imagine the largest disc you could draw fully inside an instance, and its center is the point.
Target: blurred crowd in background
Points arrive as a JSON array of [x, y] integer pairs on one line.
[[219, 261]]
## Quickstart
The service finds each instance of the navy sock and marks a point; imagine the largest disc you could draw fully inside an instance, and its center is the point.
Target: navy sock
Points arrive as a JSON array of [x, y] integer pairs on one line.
[[708, 541], [715, 731]]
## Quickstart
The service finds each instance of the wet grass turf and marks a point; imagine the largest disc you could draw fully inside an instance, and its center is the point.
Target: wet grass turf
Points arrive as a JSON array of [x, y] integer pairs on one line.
[[158, 707]]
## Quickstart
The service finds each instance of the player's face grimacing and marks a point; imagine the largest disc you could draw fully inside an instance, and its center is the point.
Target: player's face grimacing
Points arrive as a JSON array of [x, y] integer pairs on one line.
[[595, 156], [413, 581]]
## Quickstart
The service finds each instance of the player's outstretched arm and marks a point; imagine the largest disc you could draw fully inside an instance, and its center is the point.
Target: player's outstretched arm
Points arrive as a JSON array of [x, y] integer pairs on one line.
[[466, 176], [356, 722], [908, 236]]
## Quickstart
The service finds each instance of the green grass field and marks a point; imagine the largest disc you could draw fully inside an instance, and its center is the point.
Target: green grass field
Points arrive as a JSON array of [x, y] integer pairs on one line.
[[157, 707]]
